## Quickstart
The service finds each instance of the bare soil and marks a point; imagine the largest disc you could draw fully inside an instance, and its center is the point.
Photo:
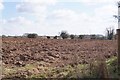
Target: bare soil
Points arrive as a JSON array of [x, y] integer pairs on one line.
[[55, 52]]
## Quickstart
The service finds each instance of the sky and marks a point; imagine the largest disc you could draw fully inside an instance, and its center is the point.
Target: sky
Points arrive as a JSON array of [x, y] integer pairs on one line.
[[50, 17]]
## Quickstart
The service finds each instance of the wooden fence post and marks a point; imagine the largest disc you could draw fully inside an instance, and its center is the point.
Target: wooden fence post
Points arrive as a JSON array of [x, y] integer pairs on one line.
[[118, 40]]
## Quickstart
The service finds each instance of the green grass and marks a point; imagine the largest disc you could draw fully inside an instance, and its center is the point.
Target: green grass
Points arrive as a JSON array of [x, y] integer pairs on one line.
[[112, 67], [79, 71]]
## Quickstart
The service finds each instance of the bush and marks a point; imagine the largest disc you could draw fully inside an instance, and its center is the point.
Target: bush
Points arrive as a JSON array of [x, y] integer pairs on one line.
[[3, 36], [64, 34], [15, 36], [32, 35], [55, 37], [48, 37], [93, 36], [81, 36], [72, 36]]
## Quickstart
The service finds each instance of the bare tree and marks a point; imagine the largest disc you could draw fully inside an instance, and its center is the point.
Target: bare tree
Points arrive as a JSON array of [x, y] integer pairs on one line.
[[110, 33]]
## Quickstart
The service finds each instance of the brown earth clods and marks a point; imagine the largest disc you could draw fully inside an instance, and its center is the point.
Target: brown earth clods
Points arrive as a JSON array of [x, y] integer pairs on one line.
[[55, 52]]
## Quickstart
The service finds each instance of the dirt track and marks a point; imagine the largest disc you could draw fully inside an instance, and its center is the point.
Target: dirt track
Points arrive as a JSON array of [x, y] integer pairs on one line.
[[53, 52]]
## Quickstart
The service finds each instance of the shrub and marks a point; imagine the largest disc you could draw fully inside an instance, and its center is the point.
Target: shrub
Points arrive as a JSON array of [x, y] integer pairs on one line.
[[48, 37], [15, 37], [93, 36], [55, 37], [64, 34], [32, 35], [72, 36], [81, 36], [3, 36]]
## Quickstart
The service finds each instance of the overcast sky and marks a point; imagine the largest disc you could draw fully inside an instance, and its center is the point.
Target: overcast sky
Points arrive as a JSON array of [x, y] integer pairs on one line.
[[49, 17]]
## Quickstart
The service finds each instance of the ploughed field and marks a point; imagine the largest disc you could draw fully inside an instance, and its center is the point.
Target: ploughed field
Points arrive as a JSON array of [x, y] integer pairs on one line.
[[55, 52]]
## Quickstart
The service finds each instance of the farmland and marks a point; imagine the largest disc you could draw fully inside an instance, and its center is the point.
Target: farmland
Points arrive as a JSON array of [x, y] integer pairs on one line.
[[21, 56]]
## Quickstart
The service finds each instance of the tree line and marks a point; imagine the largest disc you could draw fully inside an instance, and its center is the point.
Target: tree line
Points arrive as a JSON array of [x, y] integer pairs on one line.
[[65, 35]]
